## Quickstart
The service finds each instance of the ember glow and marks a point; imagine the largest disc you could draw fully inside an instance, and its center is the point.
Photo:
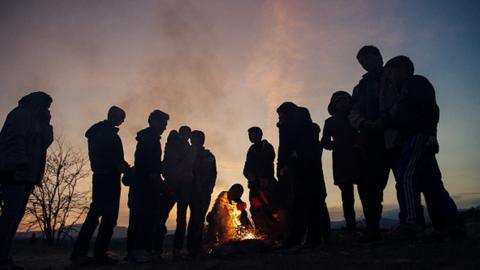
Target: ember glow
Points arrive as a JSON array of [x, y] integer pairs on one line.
[[237, 231]]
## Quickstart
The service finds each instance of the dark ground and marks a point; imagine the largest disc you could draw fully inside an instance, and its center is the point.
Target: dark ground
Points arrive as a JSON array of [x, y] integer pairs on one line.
[[342, 253]]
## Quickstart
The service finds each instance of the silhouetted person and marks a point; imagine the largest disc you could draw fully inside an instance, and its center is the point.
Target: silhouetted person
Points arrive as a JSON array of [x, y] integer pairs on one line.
[[148, 186], [366, 118], [204, 178], [221, 229], [105, 151], [258, 170], [24, 139], [340, 137], [316, 211], [415, 115], [296, 169], [178, 173]]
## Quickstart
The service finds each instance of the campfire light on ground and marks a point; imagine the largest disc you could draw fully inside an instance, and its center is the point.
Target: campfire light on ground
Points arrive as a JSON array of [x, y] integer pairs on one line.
[[239, 231]]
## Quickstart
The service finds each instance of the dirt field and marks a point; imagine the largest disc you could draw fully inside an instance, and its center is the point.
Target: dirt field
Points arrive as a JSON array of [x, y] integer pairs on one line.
[[342, 253]]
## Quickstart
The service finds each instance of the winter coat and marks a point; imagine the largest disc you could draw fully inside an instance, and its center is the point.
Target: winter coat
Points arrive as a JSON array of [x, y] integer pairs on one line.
[[340, 137], [417, 110], [105, 148], [259, 162], [177, 167], [365, 99], [296, 138], [24, 140], [204, 173], [148, 158]]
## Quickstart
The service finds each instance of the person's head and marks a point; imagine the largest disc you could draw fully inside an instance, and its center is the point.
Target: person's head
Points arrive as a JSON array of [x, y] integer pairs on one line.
[[255, 134], [184, 132], [235, 192], [172, 136], [158, 120], [36, 100], [116, 116], [286, 111], [398, 69], [370, 58], [340, 103], [197, 138]]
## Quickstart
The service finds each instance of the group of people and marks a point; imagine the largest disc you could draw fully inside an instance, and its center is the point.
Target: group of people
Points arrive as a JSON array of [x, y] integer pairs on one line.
[[185, 177], [389, 123]]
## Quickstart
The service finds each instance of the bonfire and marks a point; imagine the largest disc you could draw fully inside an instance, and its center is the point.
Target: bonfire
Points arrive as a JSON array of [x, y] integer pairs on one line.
[[237, 231]]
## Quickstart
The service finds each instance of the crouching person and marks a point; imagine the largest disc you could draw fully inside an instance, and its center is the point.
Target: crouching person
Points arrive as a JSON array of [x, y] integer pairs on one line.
[[24, 140], [227, 217]]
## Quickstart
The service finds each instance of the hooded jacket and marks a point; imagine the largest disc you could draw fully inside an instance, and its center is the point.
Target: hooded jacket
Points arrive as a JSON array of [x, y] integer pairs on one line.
[[365, 99], [259, 162], [204, 172], [417, 110], [339, 136], [148, 154], [296, 137], [177, 167], [105, 148], [25, 138]]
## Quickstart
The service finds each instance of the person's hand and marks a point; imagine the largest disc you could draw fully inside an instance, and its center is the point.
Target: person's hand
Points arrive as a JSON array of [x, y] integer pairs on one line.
[[241, 206], [124, 167], [276, 216]]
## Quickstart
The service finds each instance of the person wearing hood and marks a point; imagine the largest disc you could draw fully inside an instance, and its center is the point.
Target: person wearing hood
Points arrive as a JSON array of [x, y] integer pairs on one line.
[[300, 175], [178, 172], [24, 140], [107, 162], [340, 137], [204, 178], [147, 187], [415, 116], [258, 170]]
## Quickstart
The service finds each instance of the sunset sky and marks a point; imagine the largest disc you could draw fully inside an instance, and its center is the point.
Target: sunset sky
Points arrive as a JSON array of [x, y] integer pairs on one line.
[[224, 66]]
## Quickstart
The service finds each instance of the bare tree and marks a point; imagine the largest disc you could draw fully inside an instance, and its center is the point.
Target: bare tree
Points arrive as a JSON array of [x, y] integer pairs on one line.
[[59, 203]]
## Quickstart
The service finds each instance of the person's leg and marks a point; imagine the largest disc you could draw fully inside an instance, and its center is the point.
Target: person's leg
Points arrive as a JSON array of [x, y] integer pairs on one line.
[[166, 204], [195, 225], [371, 191], [132, 219], [408, 195], [348, 203], [105, 231], [318, 227], [297, 219], [180, 230], [15, 199], [80, 248], [441, 207], [325, 223]]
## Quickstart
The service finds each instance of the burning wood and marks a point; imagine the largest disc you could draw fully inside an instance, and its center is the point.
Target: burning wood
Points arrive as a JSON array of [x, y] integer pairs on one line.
[[228, 221]]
